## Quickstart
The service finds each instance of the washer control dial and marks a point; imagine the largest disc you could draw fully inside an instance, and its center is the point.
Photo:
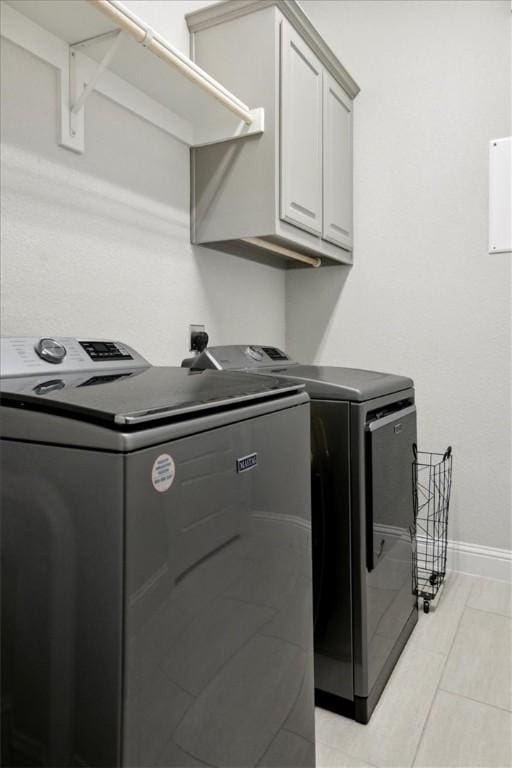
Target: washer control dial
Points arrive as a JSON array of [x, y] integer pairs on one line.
[[254, 353], [51, 351]]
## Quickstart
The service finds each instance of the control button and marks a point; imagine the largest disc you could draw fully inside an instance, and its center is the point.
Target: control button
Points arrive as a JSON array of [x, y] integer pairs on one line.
[[254, 353], [51, 351]]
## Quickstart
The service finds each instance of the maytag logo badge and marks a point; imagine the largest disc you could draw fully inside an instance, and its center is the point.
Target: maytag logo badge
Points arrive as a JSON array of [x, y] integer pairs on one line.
[[247, 462]]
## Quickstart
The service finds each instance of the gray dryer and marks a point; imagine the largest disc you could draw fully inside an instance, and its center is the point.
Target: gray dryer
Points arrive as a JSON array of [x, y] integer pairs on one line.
[[363, 429]]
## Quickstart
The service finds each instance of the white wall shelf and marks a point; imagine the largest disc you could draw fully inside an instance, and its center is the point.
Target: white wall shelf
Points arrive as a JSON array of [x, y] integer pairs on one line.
[[101, 45]]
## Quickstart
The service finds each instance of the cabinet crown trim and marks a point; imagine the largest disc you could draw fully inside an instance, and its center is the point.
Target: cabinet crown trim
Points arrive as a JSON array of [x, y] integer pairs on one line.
[[218, 13]]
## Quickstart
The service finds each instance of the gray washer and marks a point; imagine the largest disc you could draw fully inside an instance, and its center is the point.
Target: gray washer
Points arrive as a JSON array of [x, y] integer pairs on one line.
[[156, 564], [363, 428]]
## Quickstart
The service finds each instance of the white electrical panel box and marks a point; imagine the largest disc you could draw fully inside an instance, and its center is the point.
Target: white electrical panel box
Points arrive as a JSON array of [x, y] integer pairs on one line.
[[500, 195]]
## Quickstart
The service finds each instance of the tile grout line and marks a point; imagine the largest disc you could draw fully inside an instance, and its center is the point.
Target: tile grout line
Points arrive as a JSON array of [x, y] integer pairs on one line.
[[344, 753], [476, 701], [363, 759], [489, 613], [438, 686]]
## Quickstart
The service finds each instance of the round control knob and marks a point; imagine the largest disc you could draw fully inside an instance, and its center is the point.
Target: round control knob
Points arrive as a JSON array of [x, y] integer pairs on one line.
[[254, 353], [51, 351]]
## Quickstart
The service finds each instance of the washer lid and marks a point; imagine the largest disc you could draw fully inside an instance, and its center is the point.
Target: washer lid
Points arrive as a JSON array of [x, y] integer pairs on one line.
[[353, 384], [137, 397]]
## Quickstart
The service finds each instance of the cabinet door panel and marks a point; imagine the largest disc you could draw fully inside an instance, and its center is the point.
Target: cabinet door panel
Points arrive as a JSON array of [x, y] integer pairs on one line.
[[337, 147], [301, 133]]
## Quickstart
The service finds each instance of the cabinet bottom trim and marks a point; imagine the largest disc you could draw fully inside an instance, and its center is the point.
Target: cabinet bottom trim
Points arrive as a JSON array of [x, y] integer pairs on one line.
[[313, 261]]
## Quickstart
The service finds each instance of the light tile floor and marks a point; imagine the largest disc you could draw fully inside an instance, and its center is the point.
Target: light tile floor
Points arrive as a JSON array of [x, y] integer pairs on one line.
[[448, 703]]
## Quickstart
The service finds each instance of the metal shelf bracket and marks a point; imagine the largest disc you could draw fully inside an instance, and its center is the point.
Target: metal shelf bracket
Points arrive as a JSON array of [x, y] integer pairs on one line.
[[79, 89]]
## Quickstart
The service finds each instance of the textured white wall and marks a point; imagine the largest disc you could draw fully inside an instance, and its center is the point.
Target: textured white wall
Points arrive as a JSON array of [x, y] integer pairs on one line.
[[424, 298], [98, 245]]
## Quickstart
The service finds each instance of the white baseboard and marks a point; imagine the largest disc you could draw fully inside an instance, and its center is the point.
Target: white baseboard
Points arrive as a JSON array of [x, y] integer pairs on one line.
[[475, 559], [491, 562]]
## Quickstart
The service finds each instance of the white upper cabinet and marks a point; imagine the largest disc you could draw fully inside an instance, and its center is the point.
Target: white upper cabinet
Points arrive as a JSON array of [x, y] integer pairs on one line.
[[337, 164], [285, 195], [301, 133]]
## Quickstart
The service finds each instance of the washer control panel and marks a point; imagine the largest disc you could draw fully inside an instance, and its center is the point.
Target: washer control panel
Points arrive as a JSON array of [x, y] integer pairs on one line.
[[30, 356], [105, 350]]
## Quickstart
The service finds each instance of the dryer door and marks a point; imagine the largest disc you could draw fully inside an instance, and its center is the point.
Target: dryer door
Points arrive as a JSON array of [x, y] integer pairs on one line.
[[389, 521]]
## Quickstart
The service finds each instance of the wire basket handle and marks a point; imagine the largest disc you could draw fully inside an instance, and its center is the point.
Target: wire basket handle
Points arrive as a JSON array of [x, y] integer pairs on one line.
[[447, 453]]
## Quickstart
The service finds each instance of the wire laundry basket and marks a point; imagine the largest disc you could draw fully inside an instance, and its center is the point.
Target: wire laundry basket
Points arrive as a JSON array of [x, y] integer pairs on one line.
[[432, 482]]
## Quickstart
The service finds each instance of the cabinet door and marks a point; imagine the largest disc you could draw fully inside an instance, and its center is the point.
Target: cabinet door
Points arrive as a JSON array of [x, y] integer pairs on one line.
[[301, 133], [337, 144]]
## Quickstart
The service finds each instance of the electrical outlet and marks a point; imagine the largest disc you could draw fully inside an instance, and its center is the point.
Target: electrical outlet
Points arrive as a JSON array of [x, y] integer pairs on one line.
[[198, 338]]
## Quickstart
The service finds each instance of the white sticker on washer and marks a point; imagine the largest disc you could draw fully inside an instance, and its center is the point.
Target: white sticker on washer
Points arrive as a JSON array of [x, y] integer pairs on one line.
[[163, 473]]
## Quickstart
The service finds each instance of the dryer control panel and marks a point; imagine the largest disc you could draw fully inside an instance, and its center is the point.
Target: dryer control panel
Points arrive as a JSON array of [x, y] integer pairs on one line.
[[30, 356], [237, 357]]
